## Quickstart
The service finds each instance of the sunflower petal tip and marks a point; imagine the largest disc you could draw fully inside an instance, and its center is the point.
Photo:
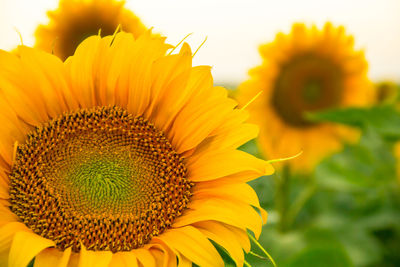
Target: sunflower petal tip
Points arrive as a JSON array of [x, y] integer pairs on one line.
[[269, 170], [185, 50]]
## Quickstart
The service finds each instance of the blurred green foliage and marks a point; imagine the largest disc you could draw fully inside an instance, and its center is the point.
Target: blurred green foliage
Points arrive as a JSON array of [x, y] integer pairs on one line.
[[345, 213]]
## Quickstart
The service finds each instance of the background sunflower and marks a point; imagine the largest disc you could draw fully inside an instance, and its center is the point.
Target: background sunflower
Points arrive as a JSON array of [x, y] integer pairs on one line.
[[75, 20], [308, 70]]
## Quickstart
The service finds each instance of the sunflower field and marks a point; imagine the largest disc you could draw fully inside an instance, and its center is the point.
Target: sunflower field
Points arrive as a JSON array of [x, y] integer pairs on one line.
[[273, 140]]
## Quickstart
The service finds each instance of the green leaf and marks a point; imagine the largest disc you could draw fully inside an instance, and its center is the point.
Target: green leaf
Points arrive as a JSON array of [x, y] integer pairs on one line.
[[384, 119], [368, 164], [279, 245], [348, 116], [323, 249], [320, 256], [363, 249]]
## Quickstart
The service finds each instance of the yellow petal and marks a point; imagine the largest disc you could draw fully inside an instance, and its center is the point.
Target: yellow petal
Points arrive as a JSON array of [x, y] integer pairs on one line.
[[183, 261], [3, 174], [124, 259], [139, 75], [163, 255], [25, 246], [191, 243], [230, 212], [240, 177], [192, 125], [4, 190], [231, 138], [220, 234], [237, 192], [230, 191], [7, 233], [159, 257], [46, 81], [81, 70], [144, 257], [171, 75], [232, 120], [90, 258], [223, 163], [74, 260], [242, 236], [52, 257], [104, 88], [11, 131], [12, 86], [7, 216]]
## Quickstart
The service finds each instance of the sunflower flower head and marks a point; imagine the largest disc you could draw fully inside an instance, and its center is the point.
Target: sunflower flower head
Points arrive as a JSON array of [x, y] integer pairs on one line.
[[308, 70], [124, 154], [75, 20]]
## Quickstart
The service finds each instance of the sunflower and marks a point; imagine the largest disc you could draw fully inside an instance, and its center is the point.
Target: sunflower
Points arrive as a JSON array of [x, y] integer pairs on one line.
[[75, 20], [123, 155], [309, 70]]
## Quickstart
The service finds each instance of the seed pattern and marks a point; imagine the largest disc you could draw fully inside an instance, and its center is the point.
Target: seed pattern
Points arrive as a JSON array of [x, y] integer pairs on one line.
[[100, 177]]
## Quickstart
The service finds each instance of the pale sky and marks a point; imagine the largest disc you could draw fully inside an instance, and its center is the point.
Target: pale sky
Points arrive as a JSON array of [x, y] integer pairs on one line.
[[235, 29]]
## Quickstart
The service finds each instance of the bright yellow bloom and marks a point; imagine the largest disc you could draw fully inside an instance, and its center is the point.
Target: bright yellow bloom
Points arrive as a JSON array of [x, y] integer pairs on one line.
[[75, 20], [122, 155], [307, 70]]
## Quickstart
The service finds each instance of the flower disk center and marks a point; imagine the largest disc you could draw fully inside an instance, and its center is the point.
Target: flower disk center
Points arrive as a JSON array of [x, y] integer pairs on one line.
[[100, 177], [307, 83]]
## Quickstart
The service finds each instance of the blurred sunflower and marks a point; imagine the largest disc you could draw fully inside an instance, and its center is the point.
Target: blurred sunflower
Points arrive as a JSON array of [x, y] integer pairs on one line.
[[122, 156], [75, 20], [308, 70]]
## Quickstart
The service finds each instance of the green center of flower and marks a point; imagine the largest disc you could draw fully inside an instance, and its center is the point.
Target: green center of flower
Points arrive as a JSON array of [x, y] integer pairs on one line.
[[100, 177], [312, 91], [306, 83], [103, 184]]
